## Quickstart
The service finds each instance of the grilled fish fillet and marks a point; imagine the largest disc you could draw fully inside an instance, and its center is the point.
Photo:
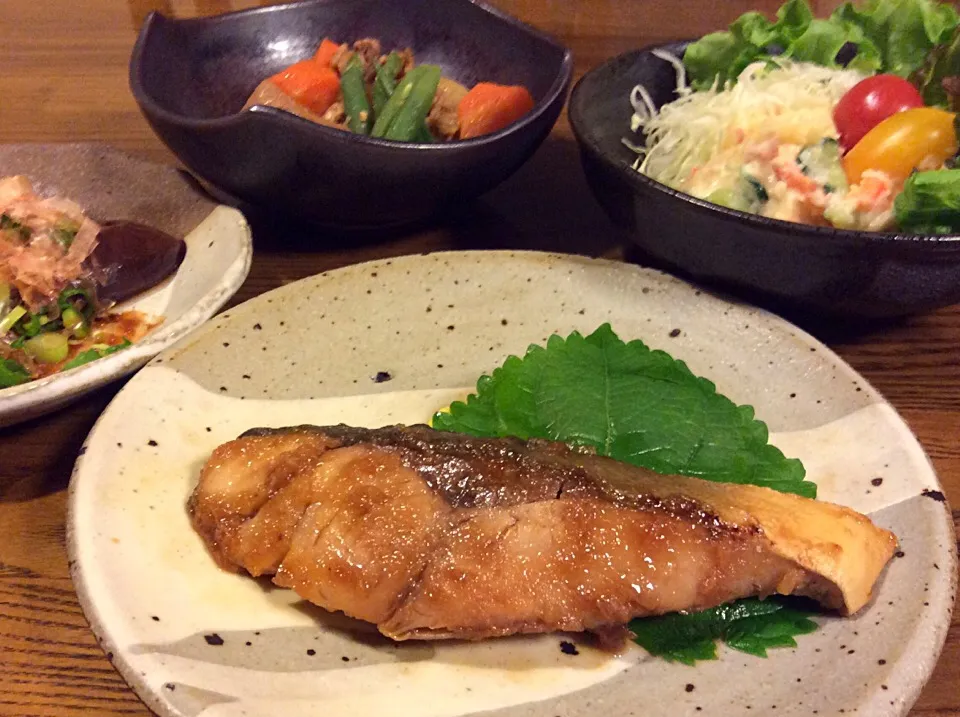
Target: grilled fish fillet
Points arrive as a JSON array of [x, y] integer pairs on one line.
[[433, 535]]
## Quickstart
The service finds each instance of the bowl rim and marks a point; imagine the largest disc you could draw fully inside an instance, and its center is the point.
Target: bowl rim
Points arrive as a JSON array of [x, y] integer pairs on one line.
[[785, 229], [150, 106]]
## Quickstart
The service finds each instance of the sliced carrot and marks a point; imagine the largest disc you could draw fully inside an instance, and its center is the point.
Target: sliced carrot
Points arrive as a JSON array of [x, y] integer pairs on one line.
[[325, 53], [794, 178], [489, 107], [874, 193], [313, 86]]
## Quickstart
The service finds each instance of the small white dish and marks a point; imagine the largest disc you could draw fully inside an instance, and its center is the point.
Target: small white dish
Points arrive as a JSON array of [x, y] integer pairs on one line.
[[193, 640], [111, 185]]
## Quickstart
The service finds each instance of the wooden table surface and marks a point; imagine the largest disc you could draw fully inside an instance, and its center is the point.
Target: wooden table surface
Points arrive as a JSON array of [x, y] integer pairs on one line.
[[63, 77]]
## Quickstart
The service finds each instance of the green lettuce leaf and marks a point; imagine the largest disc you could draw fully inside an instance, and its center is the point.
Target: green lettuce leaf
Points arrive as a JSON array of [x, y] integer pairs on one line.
[[793, 19], [630, 403], [753, 28], [930, 203], [891, 36], [903, 31], [941, 64], [719, 56], [821, 42]]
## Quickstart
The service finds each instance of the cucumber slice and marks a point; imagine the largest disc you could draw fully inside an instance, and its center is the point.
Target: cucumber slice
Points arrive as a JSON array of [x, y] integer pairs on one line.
[[746, 195], [822, 163]]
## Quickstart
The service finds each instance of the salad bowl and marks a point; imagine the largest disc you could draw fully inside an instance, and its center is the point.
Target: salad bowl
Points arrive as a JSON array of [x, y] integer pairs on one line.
[[192, 77], [813, 270]]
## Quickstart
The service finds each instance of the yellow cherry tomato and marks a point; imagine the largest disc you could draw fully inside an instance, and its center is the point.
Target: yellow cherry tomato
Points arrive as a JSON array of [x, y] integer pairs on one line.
[[903, 142]]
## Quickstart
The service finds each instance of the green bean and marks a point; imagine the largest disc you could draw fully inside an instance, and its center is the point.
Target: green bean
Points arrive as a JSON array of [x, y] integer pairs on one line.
[[413, 114], [386, 82], [423, 135], [75, 323], [395, 103], [355, 102], [48, 348]]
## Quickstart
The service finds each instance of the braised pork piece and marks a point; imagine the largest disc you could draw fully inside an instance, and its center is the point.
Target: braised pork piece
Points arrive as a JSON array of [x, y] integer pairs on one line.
[[435, 535]]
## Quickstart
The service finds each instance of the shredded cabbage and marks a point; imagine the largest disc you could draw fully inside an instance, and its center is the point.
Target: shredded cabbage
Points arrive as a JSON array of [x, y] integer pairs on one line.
[[789, 102]]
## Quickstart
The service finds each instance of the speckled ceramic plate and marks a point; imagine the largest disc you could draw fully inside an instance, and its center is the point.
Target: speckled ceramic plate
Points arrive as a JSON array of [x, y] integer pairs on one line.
[[193, 640], [111, 185]]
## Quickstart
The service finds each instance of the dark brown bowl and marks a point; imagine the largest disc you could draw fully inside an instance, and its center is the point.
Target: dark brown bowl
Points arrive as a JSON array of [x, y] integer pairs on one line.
[[818, 270], [191, 77]]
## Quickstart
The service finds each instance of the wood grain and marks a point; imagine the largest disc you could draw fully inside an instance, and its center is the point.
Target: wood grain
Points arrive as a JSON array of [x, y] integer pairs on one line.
[[64, 77]]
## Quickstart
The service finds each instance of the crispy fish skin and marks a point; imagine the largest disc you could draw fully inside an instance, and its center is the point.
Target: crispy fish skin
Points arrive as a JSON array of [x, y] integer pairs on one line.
[[435, 535]]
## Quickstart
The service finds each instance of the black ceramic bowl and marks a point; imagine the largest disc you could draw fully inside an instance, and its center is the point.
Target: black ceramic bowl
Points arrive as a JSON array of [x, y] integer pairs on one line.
[[191, 77], [814, 270]]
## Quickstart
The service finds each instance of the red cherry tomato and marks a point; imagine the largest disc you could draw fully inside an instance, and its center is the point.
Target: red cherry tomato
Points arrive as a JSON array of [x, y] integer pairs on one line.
[[869, 102]]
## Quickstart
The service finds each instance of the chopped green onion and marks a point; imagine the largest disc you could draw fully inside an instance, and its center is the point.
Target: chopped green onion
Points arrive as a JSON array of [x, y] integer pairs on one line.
[[67, 297], [8, 321], [65, 232], [18, 342], [92, 354], [355, 102], [10, 224], [30, 325], [386, 82], [12, 373], [48, 348], [74, 322]]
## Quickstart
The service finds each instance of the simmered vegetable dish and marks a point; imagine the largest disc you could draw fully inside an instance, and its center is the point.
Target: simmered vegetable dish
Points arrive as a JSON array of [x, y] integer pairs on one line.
[[386, 95]]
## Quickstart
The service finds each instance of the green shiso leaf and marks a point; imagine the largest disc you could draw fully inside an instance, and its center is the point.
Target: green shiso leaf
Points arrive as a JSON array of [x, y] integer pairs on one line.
[[750, 625], [646, 408], [630, 403]]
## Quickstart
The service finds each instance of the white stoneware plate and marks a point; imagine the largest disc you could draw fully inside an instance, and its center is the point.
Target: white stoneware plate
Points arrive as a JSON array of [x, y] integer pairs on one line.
[[111, 185], [193, 640]]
